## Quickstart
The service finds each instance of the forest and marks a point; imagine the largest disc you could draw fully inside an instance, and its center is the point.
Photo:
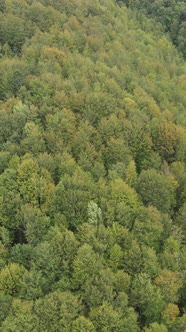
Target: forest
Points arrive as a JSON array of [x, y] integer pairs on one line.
[[92, 166], [170, 13]]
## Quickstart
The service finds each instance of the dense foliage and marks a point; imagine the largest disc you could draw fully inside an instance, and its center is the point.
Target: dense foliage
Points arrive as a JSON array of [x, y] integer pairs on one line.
[[92, 170], [171, 14]]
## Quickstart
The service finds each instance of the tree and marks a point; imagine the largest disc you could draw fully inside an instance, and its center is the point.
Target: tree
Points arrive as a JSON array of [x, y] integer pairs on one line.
[[180, 218], [116, 153], [156, 189], [105, 319], [122, 282], [155, 327], [20, 323], [57, 311], [171, 255], [9, 205], [5, 302], [170, 314], [14, 31], [59, 129], [179, 171], [116, 257], [21, 254], [179, 324], [35, 223], [32, 285], [21, 317], [98, 238], [53, 258], [151, 264], [3, 254], [119, 203], [13, 116], [82, 324], [133, 258], [33, 140], [88, 267], [169, 283], [10, 279], [166, 140], [131, 174], [72, 195], [94, 213], [4, 159], [146, 298], [34, 182], [148, 227]]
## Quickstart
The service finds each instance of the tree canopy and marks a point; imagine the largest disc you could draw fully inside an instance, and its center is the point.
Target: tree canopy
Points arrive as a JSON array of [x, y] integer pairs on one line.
[[92, 166]]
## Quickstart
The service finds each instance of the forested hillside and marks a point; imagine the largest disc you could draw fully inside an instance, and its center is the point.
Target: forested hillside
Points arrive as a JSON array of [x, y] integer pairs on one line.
[[171, 14], [92, 170]]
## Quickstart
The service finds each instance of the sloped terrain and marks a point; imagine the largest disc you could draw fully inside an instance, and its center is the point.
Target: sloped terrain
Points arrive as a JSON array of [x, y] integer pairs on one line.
[[92, 170]]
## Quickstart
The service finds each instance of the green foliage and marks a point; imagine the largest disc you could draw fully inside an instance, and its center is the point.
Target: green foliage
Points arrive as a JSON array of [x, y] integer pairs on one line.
[[21, 254], [148, 227], [92, 166], [106, 318], [94, 213], [156, 189], [57, 311], [34, 182], [5, 301], [171, 14], [72, 195], [10, 278], [155, 327], [147, 298], [35, 223], [82, 324], [179, 324], [169, 282]]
